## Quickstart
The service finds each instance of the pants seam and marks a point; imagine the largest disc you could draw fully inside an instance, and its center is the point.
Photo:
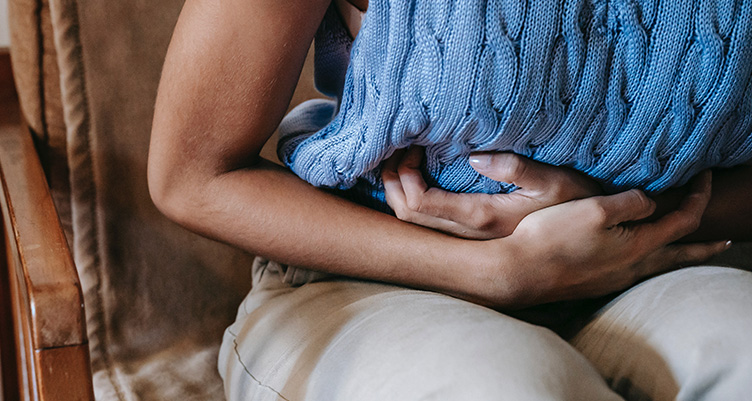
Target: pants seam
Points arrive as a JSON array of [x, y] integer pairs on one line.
[[247, 371]]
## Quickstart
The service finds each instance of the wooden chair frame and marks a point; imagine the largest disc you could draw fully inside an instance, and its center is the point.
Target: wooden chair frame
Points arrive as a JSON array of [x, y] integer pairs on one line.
[[43, 343]]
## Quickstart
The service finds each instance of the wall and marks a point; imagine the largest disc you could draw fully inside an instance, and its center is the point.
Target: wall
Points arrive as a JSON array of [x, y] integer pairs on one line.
[[4, 34]]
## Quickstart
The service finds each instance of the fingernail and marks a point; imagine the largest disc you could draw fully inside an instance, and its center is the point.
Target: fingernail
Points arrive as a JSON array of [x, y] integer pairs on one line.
[[728, 245], [480, 160]]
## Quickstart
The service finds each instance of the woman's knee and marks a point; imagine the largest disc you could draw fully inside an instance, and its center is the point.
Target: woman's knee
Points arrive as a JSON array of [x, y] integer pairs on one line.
[[683, 335], [350, 340]]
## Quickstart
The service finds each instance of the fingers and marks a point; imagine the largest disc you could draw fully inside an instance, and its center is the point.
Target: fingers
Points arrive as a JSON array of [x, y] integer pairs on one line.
[[553, 184], [405, 188], [512, 168], [405, 195], [466, 215], [420, 199], [432, 201], [692, 254], [625, 206], [395, 194], [686, 219], [676, 256], [411, 176]]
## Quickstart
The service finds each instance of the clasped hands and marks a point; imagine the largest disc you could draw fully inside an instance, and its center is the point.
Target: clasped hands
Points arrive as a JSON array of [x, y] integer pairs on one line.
[[480, 216], [569, 239]]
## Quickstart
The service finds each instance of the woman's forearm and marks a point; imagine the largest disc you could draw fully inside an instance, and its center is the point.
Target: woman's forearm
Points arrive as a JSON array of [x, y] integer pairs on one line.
[[269, 211], [228, 78], [574, 250]]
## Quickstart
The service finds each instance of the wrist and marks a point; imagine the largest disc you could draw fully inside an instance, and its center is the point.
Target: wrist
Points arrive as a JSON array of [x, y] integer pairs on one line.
[[491, 274]]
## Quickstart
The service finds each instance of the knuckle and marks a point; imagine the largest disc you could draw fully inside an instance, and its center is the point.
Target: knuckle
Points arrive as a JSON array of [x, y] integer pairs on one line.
[[597, 212], [404, 213], [696, 253], [481, 218], [400, 213], [415, 201], [682, 256], [689, 223], [419, 203], [694, 223], [512, 166], [559, 192], [389, 175], [403, 169], [640, 200], [413, 204]]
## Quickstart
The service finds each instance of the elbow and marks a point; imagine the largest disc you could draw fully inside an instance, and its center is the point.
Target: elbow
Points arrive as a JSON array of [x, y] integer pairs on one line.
[[162, 196], [171, 187], [165, 197]]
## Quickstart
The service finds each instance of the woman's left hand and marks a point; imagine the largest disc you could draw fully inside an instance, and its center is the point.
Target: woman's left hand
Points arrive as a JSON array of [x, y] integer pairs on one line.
[[480, 216]]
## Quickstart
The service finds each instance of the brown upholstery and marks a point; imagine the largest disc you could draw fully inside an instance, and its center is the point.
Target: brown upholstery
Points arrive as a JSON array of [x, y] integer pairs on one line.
[[157, 297], [36, 71]]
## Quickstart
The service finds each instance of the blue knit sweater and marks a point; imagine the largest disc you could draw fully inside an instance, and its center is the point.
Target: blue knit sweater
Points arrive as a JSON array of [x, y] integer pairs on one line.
[[636, 94]]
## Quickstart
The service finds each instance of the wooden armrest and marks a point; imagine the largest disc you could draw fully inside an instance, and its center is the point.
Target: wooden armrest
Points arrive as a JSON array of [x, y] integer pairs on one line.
[[47, 301]]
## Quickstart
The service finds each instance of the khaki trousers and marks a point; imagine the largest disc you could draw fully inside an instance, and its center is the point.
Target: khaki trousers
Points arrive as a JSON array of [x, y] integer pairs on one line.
[[685, 335]]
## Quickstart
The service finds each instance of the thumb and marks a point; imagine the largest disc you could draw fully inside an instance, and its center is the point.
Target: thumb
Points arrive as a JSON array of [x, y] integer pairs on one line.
[[626, 206], [513, 169]]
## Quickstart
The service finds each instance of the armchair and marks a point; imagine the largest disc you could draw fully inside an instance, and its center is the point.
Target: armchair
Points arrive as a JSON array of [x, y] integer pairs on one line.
[[100, 296], [40, 289]]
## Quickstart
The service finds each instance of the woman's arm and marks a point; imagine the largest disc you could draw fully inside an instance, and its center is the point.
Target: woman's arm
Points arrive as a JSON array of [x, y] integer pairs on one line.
[[227, 80]]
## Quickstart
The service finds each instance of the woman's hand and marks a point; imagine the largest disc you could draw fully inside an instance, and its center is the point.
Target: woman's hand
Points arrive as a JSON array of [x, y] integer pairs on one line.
[[480, 216], [591, 247]]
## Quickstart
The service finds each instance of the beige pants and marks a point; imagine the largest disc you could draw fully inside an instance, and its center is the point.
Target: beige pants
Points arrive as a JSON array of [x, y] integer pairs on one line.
[[686, 335]]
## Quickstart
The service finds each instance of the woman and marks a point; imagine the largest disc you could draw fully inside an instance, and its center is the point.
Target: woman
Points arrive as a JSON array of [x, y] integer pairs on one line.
[[227, 81]]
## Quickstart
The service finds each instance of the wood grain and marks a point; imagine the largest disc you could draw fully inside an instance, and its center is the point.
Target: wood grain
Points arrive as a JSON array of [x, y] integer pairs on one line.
[[43, 261], [45, 352], [64, 373]]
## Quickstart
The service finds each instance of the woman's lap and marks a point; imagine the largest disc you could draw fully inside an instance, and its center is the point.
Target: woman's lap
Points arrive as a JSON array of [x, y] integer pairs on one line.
[[683, 335], [352, 340]]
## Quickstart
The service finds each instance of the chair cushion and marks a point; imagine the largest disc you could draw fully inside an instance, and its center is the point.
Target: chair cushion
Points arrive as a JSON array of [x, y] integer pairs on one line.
[[157, 296], [38, 81]]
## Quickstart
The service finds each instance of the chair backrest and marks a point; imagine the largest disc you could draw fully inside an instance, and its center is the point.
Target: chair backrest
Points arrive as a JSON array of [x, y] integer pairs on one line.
[[87, 75]]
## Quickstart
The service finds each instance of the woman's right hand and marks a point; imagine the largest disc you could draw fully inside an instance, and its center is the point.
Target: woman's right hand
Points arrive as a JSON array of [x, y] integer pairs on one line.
[[479, 215], [592, 247]]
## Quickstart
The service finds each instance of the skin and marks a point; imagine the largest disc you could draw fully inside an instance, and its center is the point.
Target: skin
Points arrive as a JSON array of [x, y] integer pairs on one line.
[[228, 78], [481, 216], [361, 4]]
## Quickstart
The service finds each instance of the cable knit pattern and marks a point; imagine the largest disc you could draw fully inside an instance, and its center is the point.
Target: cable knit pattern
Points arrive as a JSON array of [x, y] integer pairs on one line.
[[634, 93]]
